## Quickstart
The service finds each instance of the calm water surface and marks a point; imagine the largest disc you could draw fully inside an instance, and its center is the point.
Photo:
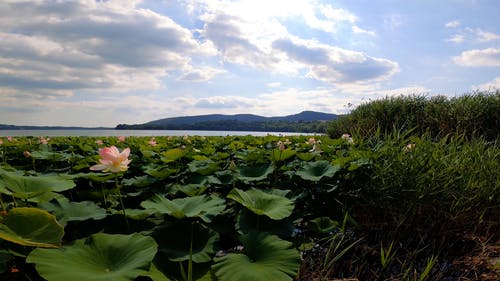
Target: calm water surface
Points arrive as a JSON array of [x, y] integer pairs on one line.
[[136, 133]]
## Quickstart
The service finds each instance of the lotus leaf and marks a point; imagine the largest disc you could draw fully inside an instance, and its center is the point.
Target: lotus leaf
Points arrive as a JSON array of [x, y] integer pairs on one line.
[[203, 167], [282, 155], [66, 211], [159, 172], [31, 227], [254, 173], [266, 258], [172, 155], [315, 171], [274, 206], [247, 221], [100, 257], [175, 240], [25, 187], [202, 206], [323, 225]]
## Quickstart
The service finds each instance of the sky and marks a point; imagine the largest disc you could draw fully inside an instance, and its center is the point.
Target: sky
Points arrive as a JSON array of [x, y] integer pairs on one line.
[[102, 63]]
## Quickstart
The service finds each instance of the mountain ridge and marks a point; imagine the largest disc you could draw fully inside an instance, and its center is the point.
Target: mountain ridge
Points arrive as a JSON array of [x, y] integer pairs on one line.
[[306, 116], [305, 121]]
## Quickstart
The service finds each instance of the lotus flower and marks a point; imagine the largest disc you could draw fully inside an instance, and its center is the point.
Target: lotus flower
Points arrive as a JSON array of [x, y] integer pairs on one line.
[[99, 142], [1, 141], [152, 142], [43, 140], [26, 154], [121, 138], [112, 160], [280, 145], [348, 138]]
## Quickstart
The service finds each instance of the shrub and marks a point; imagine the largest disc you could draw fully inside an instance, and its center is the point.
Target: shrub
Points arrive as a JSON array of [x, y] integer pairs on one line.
[[471, 115]]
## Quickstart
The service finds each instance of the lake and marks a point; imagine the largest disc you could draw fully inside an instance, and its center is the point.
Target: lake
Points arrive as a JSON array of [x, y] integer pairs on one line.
[[136, 133]]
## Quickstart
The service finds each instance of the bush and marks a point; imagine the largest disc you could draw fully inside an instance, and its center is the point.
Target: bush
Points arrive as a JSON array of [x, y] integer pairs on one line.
[[471, 115]]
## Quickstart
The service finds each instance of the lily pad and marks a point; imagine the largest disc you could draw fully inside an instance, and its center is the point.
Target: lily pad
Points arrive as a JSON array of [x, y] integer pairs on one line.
[[66, 211], [203, 167], [25, 187], [202, 206], [254, 173], [282, 155], [31, 227], [259, 202], [266, 257], [100, 257], [175, 240], [315, 171]]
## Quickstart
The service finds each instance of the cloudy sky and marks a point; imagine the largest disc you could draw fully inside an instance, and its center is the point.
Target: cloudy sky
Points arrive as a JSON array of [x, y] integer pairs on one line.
[[101, 63]]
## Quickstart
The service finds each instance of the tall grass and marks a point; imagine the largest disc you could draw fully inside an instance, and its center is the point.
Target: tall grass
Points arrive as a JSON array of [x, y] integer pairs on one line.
[[473, 115]]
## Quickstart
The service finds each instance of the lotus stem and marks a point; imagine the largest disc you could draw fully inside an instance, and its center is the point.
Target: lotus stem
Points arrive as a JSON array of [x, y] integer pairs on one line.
[[118, 187]]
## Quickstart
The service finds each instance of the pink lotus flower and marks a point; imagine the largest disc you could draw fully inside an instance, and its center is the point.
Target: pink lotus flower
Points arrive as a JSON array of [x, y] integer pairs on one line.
[[348, 138], [121, 138], [44, 140], [1, 141], [152, 142], [112, 160], [26, 154], [312, 141], [10, 138], [99, 142], [280, 145]]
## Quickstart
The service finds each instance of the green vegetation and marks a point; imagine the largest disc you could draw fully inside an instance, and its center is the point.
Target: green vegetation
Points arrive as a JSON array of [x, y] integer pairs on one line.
[[471, 115], [250, 208], [235, 125]]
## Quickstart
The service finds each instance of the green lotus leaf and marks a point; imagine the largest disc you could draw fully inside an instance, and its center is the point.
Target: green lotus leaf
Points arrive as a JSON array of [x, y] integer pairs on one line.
[[159, 172], [25, 187], [266, 258], [175, 240], [305, 156], [274, 206], [203, 167], [247, 221], [282, 155], [323, 225], [254, 173], [202, 206], [31, 227], [135, 214], [100, 257], [315, 171], [54, 156], [65, 211], [191, 189], [172, 155]]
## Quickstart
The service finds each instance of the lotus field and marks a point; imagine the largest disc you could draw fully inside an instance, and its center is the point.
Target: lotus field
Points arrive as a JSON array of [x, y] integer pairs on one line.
[[244, 208]]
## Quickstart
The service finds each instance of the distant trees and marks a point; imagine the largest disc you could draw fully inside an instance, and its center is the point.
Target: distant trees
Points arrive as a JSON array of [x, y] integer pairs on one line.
[[235, 125]]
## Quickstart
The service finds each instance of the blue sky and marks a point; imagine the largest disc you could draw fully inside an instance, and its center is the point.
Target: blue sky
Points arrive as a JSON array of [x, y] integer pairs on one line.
[[101, 63]]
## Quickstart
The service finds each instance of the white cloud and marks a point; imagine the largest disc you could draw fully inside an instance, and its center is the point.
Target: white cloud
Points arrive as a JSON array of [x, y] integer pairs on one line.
[[112, 46], [356, 29], [484, 36], [479, 58], [452, 24], [333, 64], [488, 86], [457, 38], [200, 74], [476, 35]]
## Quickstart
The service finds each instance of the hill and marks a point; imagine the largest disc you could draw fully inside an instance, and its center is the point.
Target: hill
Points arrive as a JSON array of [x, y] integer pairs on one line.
[[306, 121]]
